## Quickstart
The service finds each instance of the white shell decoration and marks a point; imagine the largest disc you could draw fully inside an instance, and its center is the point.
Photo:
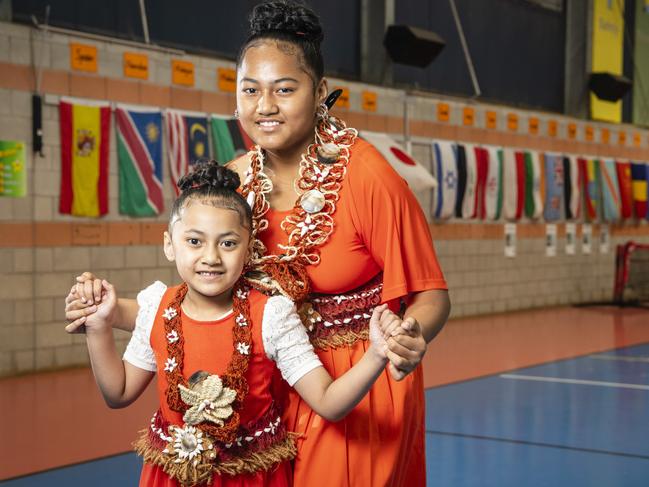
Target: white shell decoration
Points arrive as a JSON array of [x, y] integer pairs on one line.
[[251, 199], [312, 201]]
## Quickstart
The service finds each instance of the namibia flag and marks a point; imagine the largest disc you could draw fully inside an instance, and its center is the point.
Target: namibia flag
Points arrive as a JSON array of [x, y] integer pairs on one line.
[[139, 152]]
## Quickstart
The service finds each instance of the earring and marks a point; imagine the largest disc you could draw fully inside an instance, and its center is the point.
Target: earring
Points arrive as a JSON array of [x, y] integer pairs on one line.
[[236, 113]]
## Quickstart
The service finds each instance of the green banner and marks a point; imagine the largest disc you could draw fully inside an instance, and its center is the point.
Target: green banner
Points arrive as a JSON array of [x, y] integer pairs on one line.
[[13, 182], [641, 76]]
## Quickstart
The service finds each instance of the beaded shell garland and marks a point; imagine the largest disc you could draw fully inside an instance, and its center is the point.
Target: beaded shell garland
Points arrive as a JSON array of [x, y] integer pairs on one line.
[[322, 169], [225, 428]]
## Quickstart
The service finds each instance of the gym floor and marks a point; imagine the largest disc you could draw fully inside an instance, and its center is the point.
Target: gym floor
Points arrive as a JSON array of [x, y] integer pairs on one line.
[[552, 397]]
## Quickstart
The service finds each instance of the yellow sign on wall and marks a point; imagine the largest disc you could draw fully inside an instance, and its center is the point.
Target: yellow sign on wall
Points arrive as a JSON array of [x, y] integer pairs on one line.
[[368, 101], [136, 65], [605, 136], [343, 99], [182, 72], [512, 122], [608, 37], [572, 130], [443, 112], [533, 125], [492, 119], [637, 139], [468, 116], [552, 128], [621, 137], [590, 133], [83, 57], [226, 79]]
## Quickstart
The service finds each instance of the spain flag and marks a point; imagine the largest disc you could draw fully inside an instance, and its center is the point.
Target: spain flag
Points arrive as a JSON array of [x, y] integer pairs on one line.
[[85, 130]]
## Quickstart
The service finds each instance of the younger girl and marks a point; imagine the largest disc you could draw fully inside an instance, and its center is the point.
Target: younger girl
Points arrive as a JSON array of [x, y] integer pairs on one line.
[[215, 343]]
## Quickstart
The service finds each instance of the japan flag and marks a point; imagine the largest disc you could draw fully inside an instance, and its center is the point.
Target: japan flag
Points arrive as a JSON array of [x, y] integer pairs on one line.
[[416, 175]]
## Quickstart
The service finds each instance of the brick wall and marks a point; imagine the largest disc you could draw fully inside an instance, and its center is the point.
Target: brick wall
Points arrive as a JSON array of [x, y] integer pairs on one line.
[[41, 250]]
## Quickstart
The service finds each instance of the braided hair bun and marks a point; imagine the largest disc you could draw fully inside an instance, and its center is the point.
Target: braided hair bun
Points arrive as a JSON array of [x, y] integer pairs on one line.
[[211, 184], [207, 174], [286, 16]]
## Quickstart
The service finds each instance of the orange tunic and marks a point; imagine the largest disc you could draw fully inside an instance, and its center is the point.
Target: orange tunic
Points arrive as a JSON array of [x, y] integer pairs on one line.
[[208, 347], [379, 227]]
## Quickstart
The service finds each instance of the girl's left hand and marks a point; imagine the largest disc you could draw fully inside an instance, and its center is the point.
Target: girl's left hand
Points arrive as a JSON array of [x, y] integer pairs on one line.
[[406, 350]]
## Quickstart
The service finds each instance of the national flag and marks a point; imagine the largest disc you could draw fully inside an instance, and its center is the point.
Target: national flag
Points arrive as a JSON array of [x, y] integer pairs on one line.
[[229, 139], [85, 131], [494, 184], [571, 187], [460, 159], [639, 185], [416, 175], [482, 170], [589, 169], [187, 141], [139, 153], [513, 184], [610, 191], [469, 201], [445, 168], [533, 201], [554, 181], [626, 194]]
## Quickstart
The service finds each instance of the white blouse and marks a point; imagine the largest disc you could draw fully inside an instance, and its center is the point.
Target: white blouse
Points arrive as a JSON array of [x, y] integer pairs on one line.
[[285, 339]]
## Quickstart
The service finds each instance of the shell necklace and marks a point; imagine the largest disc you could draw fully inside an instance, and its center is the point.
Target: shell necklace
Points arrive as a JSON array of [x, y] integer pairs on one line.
[[322, 169]]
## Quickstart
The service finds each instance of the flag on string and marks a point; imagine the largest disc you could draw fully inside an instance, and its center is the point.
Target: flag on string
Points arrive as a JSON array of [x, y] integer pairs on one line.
[[445, 168], [482, 170], [187, 141], [589, 169], [494, 184], [139, 155], [460, 159], [572, 187], [639, 185], [610, 191], [469, 201], [626, 194], [533, 201], [416, 175], [554, 196], [229, 139], [85, 130], [514, 184]]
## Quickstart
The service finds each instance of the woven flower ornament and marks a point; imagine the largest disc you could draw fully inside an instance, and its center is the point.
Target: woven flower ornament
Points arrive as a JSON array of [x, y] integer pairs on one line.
[[209, 401]]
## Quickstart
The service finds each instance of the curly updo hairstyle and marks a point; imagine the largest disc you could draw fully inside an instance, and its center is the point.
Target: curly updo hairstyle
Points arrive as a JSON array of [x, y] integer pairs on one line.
[[292, 22], [211, 184]]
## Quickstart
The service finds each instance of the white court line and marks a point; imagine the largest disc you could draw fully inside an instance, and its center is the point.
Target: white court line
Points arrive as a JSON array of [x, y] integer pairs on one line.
[[621, 358], [621, 385]]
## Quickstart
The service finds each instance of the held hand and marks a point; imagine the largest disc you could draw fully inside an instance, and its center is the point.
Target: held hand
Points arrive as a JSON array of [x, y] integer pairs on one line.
[[406, 350], [89, 288], [76, 311], [378, 344], [105, 315]]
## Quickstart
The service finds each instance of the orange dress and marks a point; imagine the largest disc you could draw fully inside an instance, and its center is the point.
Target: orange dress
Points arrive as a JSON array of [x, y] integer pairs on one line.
[[208, 347], [379, 228]]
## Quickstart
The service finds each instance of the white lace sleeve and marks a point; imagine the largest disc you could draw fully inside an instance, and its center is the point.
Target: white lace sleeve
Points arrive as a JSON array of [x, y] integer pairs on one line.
[[139, 351], [286, 341]]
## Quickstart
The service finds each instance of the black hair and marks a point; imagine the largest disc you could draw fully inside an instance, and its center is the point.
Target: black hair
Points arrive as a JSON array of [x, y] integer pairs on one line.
[[211, 184], [292, 22]]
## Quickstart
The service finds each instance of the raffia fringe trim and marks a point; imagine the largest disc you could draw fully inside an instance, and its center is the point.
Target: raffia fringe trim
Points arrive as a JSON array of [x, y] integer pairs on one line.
[[189, 475], [339, 339]]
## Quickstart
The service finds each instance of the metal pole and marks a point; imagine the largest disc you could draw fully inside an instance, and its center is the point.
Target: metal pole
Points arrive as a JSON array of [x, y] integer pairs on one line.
[[465, 48], [145, 23]]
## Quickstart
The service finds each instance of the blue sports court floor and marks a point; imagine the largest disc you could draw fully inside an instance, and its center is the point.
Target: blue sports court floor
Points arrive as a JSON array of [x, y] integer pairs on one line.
[[581, 421]]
